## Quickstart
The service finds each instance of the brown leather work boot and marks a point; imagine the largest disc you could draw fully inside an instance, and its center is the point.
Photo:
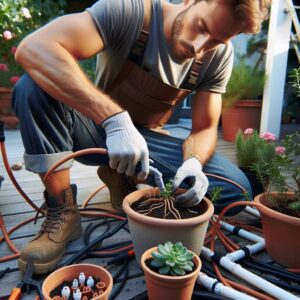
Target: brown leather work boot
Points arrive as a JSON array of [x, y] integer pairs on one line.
[[119, 185], [62, 225]]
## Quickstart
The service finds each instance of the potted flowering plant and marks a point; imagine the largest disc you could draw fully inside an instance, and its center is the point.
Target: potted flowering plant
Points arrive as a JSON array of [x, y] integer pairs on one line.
[[17, 19], [280, 201], [250, 148], [171, 271]]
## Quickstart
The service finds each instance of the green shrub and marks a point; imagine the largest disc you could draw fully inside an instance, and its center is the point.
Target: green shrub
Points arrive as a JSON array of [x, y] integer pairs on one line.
[[18, 18], [244, 84]]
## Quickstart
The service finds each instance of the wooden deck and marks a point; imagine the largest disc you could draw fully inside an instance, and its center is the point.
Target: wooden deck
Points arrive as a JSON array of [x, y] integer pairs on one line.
[[14, 209]]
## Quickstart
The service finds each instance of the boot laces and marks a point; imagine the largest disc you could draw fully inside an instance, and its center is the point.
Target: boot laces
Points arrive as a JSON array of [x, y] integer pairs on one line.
[[55, 218]]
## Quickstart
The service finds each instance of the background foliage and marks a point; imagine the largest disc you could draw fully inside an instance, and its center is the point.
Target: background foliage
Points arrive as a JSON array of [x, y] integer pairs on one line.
[[19, 18]]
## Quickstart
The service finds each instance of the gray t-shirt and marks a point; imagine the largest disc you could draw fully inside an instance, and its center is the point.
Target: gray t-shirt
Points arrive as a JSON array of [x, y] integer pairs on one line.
[[119, 23]]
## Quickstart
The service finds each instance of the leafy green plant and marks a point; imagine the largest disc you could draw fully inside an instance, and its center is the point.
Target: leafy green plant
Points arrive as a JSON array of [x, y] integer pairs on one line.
[[167, 192], [215, 193], [274, 174], [245, 83], [251, 147], [18, 18], [172, 259], [295, 80]]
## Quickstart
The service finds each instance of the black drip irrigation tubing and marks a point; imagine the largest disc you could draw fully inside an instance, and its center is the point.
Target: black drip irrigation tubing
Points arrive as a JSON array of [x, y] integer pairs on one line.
[[91, 227], [271, 279], [281, 270], [207, 269], [197, 294], [113, 246], [107, 233], [123, 270], [271, 271]]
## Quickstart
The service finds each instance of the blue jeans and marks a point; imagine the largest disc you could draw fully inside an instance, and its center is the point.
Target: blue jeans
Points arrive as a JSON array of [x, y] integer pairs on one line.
[[50, 130]]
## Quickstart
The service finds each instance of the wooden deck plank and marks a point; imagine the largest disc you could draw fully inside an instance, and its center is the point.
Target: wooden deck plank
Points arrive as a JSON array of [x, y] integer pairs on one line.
[[14, 209]]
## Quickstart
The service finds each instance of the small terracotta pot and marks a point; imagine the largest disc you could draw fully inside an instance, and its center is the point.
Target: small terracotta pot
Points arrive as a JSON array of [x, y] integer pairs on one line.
[[147, 232], [169, 287], [281, 233], [71, 272]]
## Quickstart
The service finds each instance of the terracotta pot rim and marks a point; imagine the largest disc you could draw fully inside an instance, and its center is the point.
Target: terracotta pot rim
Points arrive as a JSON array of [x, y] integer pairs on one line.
[[173, 222], [270, 212], [5, 89], [248, 103], [106, 292], [147, 254]]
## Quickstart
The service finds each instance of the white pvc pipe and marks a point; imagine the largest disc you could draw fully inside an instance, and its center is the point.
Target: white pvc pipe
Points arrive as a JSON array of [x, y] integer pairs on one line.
[[252, 211], [242, 233], [255, 280], [220, 289], [239, 254]]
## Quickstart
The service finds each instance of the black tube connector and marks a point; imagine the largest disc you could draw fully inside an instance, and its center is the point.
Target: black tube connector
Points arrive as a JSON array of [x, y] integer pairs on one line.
[[2, 136]]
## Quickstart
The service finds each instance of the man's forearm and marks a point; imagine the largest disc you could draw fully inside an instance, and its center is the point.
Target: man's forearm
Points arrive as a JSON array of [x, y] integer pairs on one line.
[[58, 73], [201, 145]]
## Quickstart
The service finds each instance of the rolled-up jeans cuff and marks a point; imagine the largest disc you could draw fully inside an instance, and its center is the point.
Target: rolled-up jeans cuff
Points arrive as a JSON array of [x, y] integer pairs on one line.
[[41, 163]]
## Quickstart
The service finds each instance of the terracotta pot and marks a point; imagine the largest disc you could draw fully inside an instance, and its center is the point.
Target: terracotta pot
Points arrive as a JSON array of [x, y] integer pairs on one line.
[[244, 114], [6, 114], [5, 99], [147, 232], [10, 121], [169, 287], [281, 233], [73, 271]]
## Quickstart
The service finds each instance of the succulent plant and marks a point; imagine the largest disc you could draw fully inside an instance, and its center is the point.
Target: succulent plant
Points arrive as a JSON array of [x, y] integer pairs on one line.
[[173, 259]]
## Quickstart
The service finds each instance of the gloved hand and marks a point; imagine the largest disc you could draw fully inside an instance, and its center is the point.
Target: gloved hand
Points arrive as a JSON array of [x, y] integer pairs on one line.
[[193, 196], [126, 146]]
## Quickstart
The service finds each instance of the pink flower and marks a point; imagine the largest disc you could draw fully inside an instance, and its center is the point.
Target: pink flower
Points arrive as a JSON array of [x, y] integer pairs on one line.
[[3, 67], [280, 150], [14, 79], [13, 50], [7, 35], [248, 131], [268, 136], [26, 13]]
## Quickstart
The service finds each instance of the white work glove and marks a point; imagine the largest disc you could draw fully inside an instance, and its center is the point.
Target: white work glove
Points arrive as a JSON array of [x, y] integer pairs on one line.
[[126, 146], [193, 196]]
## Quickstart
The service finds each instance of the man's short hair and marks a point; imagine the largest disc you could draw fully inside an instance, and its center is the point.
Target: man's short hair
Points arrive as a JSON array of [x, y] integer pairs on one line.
[[250, 13]]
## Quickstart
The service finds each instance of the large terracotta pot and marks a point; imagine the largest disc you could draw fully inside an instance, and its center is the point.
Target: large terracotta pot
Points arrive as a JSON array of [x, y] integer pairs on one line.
[[5, 99], [6, 114], [73, 271], [244, 114], [169, 287], [147, 232], [10, 121], [281, 233]]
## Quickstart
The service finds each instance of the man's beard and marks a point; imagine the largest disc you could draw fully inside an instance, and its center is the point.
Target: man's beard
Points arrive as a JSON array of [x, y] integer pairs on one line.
[[179, 48]]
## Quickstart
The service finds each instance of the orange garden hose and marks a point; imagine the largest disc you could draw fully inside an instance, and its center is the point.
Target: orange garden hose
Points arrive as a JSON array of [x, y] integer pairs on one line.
[[216, 229], [210, 237], [86, 201], [13, 179]]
